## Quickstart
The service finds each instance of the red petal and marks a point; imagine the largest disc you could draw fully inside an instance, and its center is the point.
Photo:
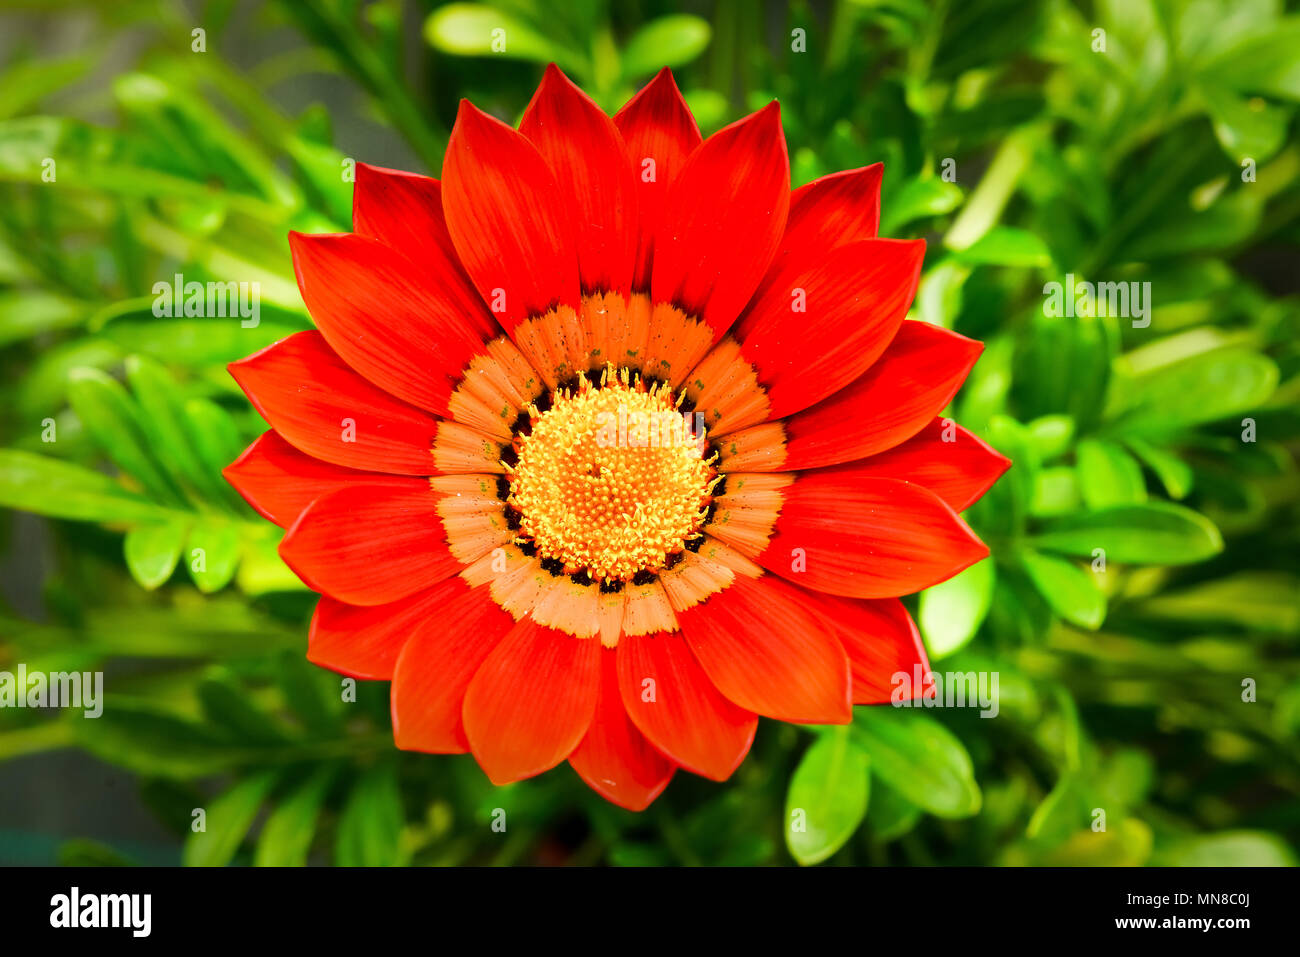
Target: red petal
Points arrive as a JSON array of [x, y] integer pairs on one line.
[[309, 395], [364, 641], [913, 380], [531, 702], [686, 717], [867, 538], [762, 645], [614, 758], [436, 667], [404, 212], [408, 328], [370, 545], [881, 641], [279, 481], [839, 208], [508, 219], [958, 471], [585, 153], [827, 213], [656, 125], [854, 299], [722, 220]]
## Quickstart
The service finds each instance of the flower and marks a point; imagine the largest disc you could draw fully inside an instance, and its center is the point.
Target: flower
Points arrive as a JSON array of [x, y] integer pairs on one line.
[[609, 443]]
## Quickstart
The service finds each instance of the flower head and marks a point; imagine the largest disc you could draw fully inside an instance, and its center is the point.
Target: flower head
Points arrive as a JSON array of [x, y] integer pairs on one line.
[[609, 443]]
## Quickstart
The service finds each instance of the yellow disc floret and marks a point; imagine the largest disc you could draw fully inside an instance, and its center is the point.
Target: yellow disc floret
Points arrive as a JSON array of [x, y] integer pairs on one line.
[[611, 479]]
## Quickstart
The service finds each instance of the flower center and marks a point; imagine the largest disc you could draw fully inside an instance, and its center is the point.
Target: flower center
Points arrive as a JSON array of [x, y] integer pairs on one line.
[[611, 479]]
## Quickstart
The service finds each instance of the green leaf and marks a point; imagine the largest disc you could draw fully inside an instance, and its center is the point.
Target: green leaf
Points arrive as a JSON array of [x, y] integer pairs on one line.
[[1231, 849], [228, 707], [287, 835], [370, 825], [919, 198], [1007, 246], [311, 693], [113, 419], [198, 342], [1158, 533], [152, 550], [34, 483], [1050, 435], [1071, 591], [1108, 475], [25, 314], [1174, 474], [168, 427], [1223, 382], [149, 740], [228, 818], [827, 797], [467, 29], [212, 553], [1005, 506], [1056, 492], [1063, 365], [1259, 600], [1246, 128], [952, 611], [261, 569], [216, 440], [29, 81], [892, 815], [918, 757], [670, 41], [1264, 64]]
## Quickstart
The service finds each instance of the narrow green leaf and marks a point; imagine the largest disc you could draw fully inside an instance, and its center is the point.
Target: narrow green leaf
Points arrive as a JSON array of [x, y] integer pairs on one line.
[[149, 740], [228, 707], [27, 313], [1259, 600], [113, 420], [216, 440], [227, 819], [287, 835], [1158, 533], [169, 429], [34, 483], [370, 825]]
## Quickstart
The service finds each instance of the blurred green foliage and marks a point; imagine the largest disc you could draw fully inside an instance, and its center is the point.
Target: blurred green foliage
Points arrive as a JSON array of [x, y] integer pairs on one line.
[[1149, 141]]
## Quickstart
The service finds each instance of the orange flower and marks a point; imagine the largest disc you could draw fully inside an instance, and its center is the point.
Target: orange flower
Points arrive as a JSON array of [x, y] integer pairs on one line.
[[609, 443]]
